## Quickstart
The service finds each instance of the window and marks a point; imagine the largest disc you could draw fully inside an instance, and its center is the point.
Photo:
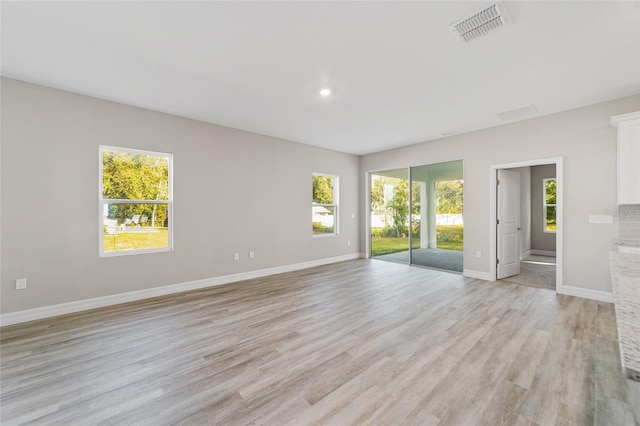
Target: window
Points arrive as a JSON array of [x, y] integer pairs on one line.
[[549, 205], [324, 210], [135, 193]]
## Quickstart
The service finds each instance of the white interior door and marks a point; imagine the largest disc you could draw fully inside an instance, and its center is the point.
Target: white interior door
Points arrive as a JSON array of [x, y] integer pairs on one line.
[[508, 223]]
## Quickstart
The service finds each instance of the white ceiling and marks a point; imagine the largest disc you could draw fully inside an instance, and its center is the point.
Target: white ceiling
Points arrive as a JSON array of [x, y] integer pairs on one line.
[[398, 74]]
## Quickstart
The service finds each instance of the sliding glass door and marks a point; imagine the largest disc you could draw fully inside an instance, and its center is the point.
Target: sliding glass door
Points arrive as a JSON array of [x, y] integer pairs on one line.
[[422, 222]]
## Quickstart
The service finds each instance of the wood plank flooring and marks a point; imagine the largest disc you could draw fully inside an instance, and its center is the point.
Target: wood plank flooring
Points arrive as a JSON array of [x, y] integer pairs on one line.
[[360, 342]]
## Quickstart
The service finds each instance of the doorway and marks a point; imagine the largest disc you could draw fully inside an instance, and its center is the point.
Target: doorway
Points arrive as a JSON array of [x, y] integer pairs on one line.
[[526, 223]]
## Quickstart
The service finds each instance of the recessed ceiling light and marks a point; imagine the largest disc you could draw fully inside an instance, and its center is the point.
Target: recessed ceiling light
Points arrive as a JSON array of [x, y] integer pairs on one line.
[[324, 92]]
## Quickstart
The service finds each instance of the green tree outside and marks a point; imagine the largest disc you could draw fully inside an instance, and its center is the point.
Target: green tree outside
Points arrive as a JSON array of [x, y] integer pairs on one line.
[[323, 189], [127, 176], [449, 197], [550, 191]]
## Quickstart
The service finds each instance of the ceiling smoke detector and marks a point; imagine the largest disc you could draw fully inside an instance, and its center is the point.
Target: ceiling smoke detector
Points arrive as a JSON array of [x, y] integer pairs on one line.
[[482, 22]]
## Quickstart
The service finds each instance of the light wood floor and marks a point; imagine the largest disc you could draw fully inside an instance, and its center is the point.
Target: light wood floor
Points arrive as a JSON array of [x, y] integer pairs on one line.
[[360, 342]]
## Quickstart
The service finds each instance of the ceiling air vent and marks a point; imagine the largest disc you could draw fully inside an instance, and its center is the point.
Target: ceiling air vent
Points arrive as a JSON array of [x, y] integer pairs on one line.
[[519, 113], [482, 22]]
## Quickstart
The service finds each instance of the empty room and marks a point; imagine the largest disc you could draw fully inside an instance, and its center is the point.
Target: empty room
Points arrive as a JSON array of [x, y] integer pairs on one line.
[[320, 213]]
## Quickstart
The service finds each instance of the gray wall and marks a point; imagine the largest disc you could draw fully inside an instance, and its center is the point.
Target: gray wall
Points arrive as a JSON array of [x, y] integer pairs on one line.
[[582, 136], [49, 204], [540, 240], [255, 189]]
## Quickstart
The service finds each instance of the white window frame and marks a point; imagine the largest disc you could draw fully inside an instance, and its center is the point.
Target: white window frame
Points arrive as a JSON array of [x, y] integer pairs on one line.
[[336, 182], [545, 205], [102, 201]]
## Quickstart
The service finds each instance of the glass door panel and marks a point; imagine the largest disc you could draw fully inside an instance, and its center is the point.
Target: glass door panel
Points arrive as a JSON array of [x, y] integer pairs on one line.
[[390, 224], [437, 216]]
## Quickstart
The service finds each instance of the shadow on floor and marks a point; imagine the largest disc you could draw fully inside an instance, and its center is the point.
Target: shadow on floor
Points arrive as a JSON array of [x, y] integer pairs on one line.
[[448, 260]]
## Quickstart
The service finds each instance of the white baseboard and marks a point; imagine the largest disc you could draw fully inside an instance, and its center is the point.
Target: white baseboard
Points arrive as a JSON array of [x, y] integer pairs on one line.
[[477, 274], [585, 293], [544, 253], [525, 255], [99, 302]]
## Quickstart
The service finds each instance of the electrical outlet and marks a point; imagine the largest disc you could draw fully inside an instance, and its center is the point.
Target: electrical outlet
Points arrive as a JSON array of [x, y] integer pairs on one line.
[[21, 283], [478, 254], [236, 256], [348, 242], [252, 255]]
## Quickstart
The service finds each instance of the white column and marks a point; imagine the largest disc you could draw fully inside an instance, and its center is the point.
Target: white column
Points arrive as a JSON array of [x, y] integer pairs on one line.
[[431, 212], [424, 218]]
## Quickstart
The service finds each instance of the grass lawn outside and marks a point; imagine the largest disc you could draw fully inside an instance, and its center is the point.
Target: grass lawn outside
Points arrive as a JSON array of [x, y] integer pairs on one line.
[[449, 237], [137, 240], [388, 245]]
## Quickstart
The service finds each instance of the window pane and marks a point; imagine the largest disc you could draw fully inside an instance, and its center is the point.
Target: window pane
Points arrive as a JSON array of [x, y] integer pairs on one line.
[[550, 224], [135, 226], [128, 176], [323, 220], [323, 189], [550, 191]]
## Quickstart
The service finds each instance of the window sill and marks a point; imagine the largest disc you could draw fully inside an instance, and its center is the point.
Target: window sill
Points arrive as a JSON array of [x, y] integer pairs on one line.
[[134, 252]]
